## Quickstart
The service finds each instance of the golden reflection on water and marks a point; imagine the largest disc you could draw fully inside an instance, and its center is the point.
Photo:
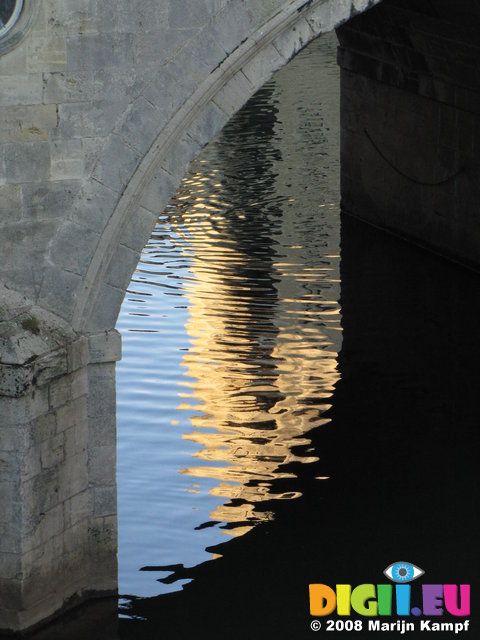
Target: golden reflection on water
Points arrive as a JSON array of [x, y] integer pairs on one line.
[[239, 285], [262, 363]]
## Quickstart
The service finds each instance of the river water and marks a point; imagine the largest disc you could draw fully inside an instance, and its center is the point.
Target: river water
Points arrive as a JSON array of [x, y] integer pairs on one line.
[[231, 330], [298, 395]]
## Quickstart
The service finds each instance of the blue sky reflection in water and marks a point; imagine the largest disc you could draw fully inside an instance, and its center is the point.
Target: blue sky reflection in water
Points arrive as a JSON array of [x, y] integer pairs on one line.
[[231, 330]]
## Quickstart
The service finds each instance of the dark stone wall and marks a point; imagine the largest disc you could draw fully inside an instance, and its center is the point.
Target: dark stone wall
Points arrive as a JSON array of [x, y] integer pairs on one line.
[[410, 118]]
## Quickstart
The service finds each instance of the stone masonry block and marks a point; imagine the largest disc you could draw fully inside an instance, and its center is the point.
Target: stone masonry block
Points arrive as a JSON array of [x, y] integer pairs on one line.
[[117, 164], [12, 438], [233, 95], [188, 14], [77, 354], [91, 149], [60, 87], [9, 466], [10, 593], [76, 438], [21, 90], [179, 157], [104, 347], [52, 451], [30, 463], [43, 428], [158, 192], [94, 205], [119, 86], [291, 41], [38, 495], [11, 566], [58, 290], [10, 203], [67, 159], [48, 525], [105, 501], [261, 11], [102, 534], [68, 387], [73, 476], [102, 465], [71, 415], [166, 87], [72, 18], [102, 426], [106, 314], [102, 116], [138, 229], [140, 17], [71, 122], [27, 162], [207, 124], [8, 500], [14, 380], [146, 43], [77, 508], [322, 17], [263, 65], [121, 267], [99, 51], [27, 123], [47, 53], [74, 248], [51, 365], [140, 125], [199, 58], [231, 25], [15, 63], [18, 412]]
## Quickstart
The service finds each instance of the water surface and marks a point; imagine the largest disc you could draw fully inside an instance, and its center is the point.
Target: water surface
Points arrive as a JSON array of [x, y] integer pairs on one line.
[[231, 330]]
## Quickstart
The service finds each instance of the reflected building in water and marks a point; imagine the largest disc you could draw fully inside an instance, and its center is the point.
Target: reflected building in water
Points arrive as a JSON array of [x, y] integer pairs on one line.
[[263, 303]]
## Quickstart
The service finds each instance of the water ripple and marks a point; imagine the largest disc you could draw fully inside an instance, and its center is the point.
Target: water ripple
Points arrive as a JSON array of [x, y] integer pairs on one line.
[[231, 329]]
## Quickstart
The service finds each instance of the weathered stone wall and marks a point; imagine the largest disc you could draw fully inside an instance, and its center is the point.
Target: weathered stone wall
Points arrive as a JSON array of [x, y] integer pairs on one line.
[[411, 122], [57, 463], [102, 107]]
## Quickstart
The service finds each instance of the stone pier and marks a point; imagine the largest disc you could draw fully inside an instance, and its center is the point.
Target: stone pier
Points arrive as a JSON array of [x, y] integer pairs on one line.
[[58, 529]]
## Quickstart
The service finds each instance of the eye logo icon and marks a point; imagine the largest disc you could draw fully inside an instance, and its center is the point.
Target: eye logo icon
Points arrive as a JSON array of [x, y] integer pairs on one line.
[[402, 572]]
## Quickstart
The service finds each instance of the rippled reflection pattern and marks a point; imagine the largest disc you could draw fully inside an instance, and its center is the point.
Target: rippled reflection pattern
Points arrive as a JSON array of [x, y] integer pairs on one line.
[[239, 289]]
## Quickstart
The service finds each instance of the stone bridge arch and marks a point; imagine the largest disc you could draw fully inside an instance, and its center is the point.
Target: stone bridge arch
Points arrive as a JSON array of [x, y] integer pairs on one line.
[[230, 65], [115, 103], [103, 106]]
